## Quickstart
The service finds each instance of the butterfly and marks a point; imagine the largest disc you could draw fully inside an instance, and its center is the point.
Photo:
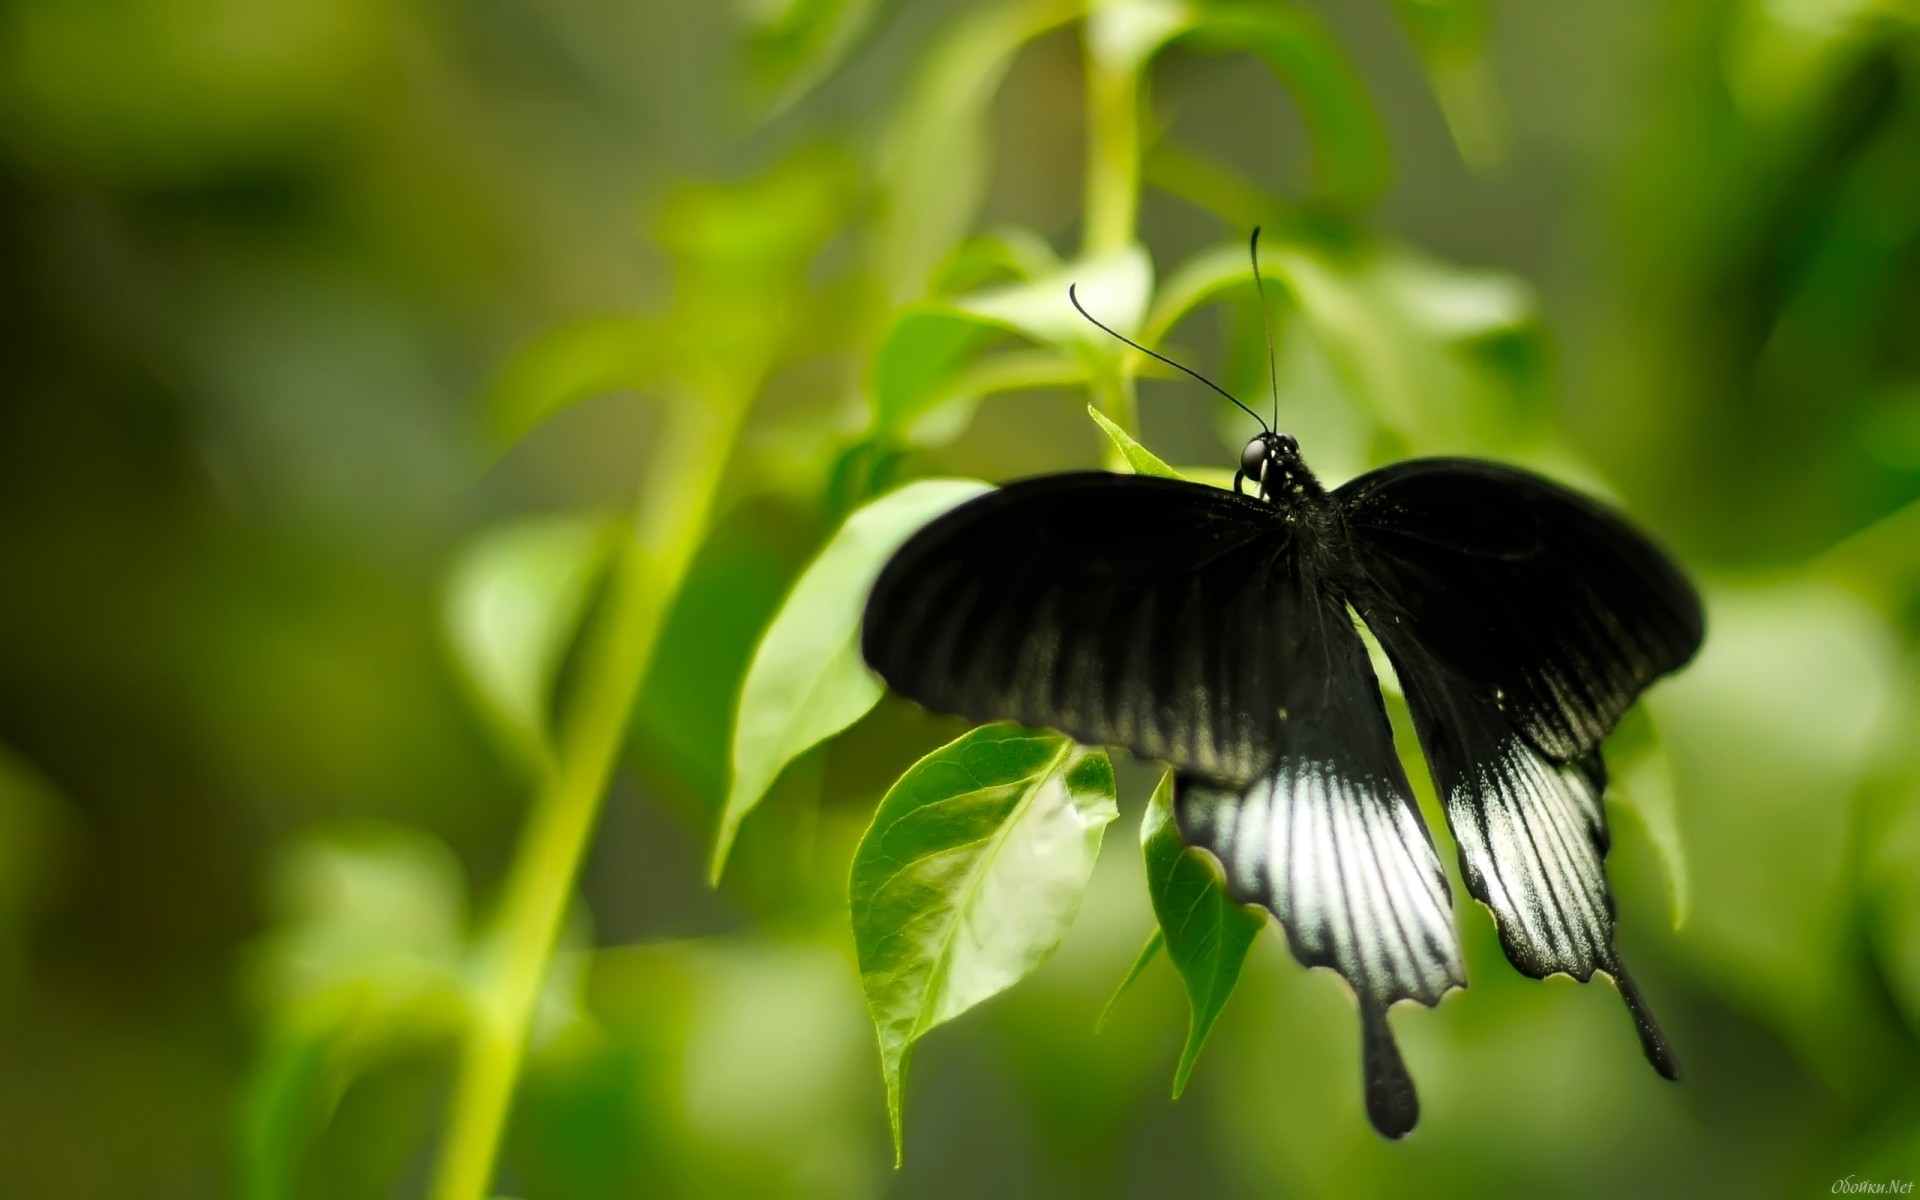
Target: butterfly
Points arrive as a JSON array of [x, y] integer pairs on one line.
[[1218, 631]]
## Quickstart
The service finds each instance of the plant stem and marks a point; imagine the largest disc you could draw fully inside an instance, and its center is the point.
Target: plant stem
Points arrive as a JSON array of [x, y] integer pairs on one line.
[[1113, 157], [682, 482], [1112, 208]]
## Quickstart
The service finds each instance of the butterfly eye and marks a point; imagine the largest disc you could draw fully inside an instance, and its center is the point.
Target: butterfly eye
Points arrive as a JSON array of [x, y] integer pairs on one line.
[[1253, 457]]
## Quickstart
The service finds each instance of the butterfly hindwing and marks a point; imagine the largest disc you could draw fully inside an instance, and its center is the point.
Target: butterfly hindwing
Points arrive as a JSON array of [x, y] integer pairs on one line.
[[1123, 610], [1522, 620], [1330, 841]]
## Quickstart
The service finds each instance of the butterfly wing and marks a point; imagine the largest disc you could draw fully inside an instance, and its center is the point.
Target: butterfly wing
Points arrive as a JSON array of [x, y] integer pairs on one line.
[[1186, 624], [1329, 840], [1553, 604], [1122, 610], [1522, 620]]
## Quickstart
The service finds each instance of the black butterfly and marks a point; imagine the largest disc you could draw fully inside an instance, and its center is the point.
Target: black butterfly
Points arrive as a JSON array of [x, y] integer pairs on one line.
[[1215, 631]]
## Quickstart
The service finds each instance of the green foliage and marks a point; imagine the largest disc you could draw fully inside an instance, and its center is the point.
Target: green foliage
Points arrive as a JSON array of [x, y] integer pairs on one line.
[[808, 681], [383, 380], [968, 878], [1206, 934], [1138, 457], [514, 603]]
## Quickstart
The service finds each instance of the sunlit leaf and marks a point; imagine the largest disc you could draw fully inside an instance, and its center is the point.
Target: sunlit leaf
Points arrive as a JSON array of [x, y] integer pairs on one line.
[[1115, 288], [1141, 459], [1123, 34], [969, 877], [514, 601], [1207, 934], [807, 681], [927, 378]]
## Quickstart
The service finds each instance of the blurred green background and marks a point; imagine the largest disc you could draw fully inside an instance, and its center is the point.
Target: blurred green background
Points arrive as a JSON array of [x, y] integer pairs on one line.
[[348, 349]]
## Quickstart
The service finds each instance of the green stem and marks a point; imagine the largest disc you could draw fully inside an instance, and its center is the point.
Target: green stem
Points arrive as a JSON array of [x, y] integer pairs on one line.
[[682, 483], [1113, 157], [1112, 209]]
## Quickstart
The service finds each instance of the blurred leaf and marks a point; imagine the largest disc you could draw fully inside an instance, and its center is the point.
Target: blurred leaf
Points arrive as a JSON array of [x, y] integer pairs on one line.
[[366, 958], [1156, 941], [1783, 53], [1207, 934], [924, 349], [514, 601], [33, 827], [1124, 34], [1798, 697], [926, 382], [1351, 157], [1642, 781], [1199, 280], [1451, 36], [1114, 287], [1892, 891], [571, 364], [1006, 251], [372, 921], [968, 878], [793, 45], [807, 681], [1138, 457], [1409, 334], [932, 162]]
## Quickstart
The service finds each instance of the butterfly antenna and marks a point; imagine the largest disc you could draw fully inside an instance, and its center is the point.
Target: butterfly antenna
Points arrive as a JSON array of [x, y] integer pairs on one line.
[[1112, 332], [1266, 321]]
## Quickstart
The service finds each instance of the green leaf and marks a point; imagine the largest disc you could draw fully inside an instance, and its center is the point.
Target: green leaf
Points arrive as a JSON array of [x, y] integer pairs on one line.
[[1451, 36], [572, 364], [1123, 34], [969, 877], [1006, 251], [1155, 942], [793, 45], [1141, 459], [807, 680], [1642, 782], [514, 601], [1207, 934], [927, 378], [1114, 287], [1351, 157], [933, 158], [1445, 356], [1201, 279]]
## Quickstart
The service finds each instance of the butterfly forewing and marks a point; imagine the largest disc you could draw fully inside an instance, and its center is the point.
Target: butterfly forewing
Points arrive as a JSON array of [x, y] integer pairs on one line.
[[1541, 599], [1124, 610]]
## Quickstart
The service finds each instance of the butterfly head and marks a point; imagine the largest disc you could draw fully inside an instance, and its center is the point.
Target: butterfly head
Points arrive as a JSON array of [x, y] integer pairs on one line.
[[1272, 460]]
